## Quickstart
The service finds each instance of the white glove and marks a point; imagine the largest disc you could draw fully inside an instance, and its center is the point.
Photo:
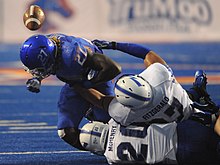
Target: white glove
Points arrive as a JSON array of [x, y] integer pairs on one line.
[[33, 85]]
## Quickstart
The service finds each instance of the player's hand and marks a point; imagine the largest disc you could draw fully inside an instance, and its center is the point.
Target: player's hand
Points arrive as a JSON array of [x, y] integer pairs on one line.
[[208, 107], [33, 85], [101, 44]]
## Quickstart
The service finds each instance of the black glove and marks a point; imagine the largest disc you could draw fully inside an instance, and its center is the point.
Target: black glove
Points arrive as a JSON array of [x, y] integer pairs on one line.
[[101, 44], [210, 108], [203, 118], [33, 85]]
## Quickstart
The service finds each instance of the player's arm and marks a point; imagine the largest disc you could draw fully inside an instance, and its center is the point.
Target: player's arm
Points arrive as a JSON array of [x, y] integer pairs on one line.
[[140, 51], [152, 58], [133, 49], [94, 97], [217, 126], [107, 68]]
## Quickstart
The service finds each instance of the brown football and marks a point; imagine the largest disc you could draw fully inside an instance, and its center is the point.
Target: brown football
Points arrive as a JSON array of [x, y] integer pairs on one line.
[[34, 17]]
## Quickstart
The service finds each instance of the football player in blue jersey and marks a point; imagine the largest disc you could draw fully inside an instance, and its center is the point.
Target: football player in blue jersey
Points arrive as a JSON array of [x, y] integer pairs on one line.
[[72, 60]]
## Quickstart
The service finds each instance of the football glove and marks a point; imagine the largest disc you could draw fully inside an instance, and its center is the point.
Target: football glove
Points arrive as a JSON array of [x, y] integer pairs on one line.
[[209, 108], [101, 44], [33, 85]]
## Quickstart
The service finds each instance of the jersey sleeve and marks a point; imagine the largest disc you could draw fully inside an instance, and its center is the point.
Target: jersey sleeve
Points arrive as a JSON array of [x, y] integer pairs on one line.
[[157, 73], [118, 112]]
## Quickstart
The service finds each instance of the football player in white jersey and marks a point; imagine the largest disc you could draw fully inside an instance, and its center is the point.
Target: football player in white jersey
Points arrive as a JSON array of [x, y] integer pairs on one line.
[[187, 142], [150, 97], [153, 96]]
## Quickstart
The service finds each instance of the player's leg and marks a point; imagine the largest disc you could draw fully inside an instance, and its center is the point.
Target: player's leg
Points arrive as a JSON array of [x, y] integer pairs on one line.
[[197, 144], [198, 91], [71, 110]]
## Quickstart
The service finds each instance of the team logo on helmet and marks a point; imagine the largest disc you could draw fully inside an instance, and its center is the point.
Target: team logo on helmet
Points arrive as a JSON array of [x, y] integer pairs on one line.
[[38, 55]]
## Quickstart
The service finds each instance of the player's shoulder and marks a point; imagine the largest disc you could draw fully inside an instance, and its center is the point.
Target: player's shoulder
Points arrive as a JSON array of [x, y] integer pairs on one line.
[[119, 116], [83, 41], [56, 35], [62, 37], [159, 66], [157, 73]]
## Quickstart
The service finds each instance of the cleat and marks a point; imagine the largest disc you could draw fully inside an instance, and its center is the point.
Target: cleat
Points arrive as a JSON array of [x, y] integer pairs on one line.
[[200, 79], [198, 92]]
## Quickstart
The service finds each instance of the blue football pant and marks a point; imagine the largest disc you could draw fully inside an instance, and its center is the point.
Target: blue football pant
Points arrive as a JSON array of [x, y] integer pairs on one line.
[[197, 144], [72, 107]]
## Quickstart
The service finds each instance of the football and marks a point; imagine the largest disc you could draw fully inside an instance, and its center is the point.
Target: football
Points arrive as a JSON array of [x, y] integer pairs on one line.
[[34, 17]]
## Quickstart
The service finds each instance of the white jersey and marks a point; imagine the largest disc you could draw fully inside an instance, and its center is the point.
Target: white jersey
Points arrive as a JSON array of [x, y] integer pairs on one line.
[[136, 144], [170, 101]]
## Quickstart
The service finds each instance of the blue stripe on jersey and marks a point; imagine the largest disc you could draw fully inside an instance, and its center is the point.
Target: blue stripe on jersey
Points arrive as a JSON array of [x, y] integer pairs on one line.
[[91, 132], [131, 94]]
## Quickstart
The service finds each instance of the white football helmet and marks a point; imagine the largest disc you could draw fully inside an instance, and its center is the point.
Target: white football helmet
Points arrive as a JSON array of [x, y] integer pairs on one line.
[[133, 91], [93, 137]]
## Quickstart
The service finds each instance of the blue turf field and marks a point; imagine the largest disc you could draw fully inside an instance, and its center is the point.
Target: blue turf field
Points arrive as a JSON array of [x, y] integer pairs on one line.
[[28, 121]]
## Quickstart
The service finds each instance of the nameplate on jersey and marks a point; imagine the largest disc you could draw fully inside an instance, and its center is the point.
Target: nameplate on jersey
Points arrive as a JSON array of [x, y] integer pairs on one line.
[[156, 109]]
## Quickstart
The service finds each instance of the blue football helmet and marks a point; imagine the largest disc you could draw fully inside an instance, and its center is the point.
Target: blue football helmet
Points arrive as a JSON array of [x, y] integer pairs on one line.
[[38, 56]]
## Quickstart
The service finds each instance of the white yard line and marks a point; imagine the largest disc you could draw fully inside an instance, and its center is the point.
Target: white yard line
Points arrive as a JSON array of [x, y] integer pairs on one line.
[[41, 152], [31, 128], [12, 121], [25, 132], [22, 124], [19, 126]]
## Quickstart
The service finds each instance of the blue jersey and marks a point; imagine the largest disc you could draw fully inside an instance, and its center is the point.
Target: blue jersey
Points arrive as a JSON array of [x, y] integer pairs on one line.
[[72, 56]]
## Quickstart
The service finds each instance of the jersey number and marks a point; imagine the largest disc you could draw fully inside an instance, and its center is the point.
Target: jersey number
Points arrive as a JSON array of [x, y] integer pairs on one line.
[[174, 108], [42, 56], [81, 55], [125, 149]]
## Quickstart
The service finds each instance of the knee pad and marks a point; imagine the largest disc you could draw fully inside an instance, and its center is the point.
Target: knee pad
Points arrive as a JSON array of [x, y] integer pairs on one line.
[[71, 136], [68, 133], [61, 133]]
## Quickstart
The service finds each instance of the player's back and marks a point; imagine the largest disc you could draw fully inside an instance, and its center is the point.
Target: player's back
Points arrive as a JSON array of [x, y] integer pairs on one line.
[[170, 102], [72, 54], [136, 144]]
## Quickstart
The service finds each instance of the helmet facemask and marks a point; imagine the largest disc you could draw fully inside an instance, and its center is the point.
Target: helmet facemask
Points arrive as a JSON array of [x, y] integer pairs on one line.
[[41, 73]]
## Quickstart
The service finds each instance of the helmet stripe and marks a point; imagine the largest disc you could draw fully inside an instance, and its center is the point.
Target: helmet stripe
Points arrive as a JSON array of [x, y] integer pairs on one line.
[[91, 132], [137, 82], [131, 94]]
